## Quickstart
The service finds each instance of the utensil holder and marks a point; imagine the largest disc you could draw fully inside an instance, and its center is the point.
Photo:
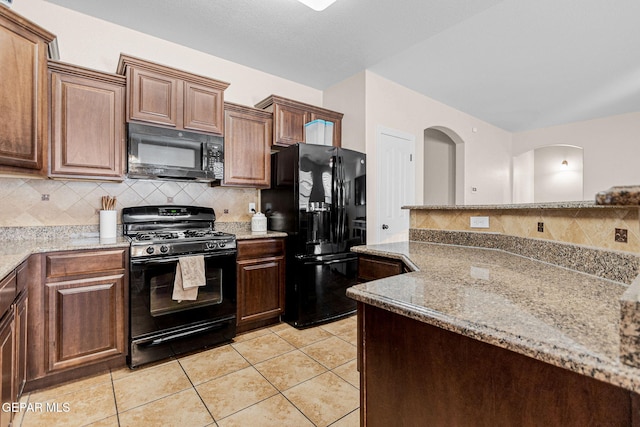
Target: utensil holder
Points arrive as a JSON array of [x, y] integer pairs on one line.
[[108, 225]]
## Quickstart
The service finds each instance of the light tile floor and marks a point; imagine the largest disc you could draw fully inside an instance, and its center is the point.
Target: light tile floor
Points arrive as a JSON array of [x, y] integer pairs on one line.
[[276, 376]]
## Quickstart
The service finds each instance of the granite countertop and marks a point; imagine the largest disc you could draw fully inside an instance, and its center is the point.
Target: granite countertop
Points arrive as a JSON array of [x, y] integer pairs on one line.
[[553, 314], [13, 252], [586, 204], [249, 235]]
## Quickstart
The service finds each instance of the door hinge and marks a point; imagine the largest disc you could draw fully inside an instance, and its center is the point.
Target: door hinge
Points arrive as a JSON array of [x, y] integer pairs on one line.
[[411, 157]]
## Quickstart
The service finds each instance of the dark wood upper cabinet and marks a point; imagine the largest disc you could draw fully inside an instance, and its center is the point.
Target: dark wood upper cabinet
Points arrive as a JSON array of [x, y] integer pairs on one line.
[[247, 146], [289, 118], [87, 123], [166, 96], [23, 94]]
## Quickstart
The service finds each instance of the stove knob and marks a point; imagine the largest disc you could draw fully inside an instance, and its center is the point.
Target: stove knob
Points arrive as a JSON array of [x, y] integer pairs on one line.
[[164, 249], [222, 244], [211, 245], [150, 250]]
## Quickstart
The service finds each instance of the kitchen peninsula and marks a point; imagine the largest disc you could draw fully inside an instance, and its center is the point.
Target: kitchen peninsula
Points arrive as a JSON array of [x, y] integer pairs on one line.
[[480, 332]]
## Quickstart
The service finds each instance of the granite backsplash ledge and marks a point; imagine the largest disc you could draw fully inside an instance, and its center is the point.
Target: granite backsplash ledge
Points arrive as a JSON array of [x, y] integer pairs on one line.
[[618, 266]]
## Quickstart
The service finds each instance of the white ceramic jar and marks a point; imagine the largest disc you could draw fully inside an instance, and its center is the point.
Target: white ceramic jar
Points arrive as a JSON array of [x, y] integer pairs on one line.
[[259, 223]]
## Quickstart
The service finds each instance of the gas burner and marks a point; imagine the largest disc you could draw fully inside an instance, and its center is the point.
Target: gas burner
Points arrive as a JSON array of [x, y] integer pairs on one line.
[[154, 233]]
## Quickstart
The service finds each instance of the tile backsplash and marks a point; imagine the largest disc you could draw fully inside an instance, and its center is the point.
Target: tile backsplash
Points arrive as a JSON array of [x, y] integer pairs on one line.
[[585, 226], [45, 202]]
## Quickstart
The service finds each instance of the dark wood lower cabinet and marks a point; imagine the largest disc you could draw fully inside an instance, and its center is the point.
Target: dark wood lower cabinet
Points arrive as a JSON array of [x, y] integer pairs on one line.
[[78, 311], [6, 367], [85, 321], [13, 342], [260, 275], [415, 374], [374, 267]]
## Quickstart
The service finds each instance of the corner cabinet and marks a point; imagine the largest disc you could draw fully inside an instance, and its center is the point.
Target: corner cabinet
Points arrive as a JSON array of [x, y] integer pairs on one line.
[[289, 118], [247, 146], [87, 123], [166, 96], [261, 282], [23, 95], [78, 315]]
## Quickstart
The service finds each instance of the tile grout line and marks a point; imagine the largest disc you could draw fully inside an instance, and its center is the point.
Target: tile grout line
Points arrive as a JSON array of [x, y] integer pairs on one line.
[[197, 393]]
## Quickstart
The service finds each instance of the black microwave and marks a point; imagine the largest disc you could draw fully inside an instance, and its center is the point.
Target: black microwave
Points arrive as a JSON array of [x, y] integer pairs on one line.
[[162, 153]]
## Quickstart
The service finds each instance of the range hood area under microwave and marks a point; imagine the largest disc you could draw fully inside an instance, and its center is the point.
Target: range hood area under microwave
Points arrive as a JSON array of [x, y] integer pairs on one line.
[[162, 153]]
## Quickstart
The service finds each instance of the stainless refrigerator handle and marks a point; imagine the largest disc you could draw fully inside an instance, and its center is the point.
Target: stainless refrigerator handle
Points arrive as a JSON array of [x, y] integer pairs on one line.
[[335, 236]]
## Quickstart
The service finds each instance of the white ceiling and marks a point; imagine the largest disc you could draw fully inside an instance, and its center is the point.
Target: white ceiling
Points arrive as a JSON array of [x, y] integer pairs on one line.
[[519, 64]]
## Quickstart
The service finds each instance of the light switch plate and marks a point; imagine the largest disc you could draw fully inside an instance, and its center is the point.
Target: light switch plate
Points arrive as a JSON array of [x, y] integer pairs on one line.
[[479, 222]]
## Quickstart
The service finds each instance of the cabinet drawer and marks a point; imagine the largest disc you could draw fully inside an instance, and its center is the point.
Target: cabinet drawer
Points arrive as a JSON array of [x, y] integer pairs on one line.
[[370, 268], [7, 292], [65, 264], [261, 248]]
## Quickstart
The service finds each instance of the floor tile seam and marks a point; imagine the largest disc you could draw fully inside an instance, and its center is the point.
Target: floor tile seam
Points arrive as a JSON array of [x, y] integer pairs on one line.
[[344, 416], [271, 357], [341, 377], [298, 409], [247, 407], [289, 388], [323, 364], [68, 392], [115, 400], [154, 400], [193, 386]]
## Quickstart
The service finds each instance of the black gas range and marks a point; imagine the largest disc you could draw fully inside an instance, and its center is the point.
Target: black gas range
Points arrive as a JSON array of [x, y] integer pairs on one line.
[[162, 238]]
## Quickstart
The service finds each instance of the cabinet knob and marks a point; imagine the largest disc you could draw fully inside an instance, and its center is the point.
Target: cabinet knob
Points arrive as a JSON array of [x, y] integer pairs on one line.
[[385, 227]]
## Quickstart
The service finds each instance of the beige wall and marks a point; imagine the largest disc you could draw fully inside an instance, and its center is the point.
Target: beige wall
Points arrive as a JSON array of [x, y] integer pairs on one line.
[[611, 149], [348, 97]]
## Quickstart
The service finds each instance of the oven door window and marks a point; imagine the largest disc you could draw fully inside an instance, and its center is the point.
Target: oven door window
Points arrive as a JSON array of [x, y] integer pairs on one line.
[[160, 280]]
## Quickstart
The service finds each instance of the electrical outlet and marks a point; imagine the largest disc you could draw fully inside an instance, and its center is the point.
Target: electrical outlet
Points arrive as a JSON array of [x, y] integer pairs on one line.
[[479, 222], [541, 227], [169, 199], [226, 211], [252, 208], [44, 197], [621, 235]]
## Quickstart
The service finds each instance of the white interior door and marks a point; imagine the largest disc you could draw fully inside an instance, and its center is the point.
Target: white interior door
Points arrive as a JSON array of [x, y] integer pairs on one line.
[[396, 184]]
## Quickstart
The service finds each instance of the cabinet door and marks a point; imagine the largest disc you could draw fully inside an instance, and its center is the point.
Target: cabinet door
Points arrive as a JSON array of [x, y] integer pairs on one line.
[[153, 97], [203, 108], [87, 127], [247, 148], [289, 124], [85, 321], [20, 346], [260, 289], [23, 94], [6, 367]]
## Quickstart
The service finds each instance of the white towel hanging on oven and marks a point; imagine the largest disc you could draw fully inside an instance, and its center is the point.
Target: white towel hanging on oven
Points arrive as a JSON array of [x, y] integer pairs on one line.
[[190, 275]]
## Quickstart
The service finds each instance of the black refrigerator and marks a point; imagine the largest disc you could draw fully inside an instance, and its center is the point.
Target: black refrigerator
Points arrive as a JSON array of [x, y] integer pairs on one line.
[[318, 197]]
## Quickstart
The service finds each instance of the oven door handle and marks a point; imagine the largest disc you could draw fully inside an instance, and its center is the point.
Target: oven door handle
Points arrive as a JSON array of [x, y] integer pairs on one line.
[[201, 330], [162, 260]]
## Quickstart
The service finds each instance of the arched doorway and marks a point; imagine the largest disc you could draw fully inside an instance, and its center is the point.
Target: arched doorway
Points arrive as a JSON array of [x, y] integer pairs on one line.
[[443, 167]]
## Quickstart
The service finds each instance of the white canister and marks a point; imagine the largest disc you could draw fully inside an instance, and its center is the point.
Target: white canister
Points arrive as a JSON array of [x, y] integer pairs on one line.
[[108, 224], [259, 223]]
